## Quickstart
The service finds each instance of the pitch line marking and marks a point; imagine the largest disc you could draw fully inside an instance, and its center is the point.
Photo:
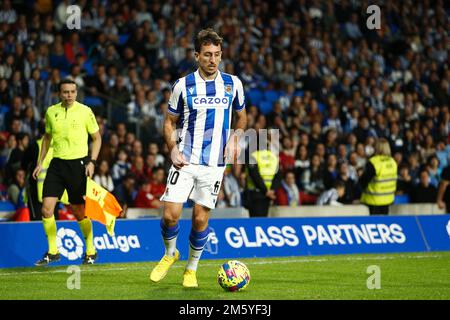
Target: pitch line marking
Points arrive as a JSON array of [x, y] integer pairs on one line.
[[261, 262]]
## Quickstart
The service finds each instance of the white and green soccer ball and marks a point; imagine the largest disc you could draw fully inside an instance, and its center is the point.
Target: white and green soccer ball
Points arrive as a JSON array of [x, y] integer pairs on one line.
[[233, 276]]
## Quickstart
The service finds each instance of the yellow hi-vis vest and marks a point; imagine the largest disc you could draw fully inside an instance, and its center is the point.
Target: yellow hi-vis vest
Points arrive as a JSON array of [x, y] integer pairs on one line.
[[267, 167], [381, 190], [41, 177]]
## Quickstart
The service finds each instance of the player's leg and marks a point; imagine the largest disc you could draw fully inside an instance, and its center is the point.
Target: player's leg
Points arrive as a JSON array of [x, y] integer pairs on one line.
[[170, 227], [76, 188], [179, 185], [206, 190], [197, 240]]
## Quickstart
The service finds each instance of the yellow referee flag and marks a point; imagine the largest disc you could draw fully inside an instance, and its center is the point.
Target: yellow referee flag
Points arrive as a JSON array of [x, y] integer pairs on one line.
[[101, 205]]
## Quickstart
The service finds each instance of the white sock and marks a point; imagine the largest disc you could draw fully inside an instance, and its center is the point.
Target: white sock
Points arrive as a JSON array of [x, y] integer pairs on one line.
[[194, 258], [171, 246]]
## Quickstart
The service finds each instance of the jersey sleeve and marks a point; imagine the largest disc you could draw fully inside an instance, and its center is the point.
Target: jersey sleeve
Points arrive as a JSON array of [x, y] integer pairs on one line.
[[91, 122], [239, 98], [176, 99]]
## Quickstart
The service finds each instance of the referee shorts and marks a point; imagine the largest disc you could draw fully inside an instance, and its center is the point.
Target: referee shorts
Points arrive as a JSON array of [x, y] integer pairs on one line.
[[67, 175]]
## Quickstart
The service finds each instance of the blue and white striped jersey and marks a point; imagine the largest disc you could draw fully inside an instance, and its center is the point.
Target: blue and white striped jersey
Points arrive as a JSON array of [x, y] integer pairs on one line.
[[205, 110]]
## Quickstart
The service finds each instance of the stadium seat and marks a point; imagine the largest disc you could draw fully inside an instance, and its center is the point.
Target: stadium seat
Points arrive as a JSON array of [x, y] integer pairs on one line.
[[321, 107], [123, 38], [401, 199], [4, 108], [271, 95], [299, 93], [44, 75], [255, 96], [7, 206], [89, 67], [92, 101], [265, 107]]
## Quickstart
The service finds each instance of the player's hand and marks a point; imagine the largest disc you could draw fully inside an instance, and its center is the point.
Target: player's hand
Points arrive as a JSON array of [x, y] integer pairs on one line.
[[232, 150], [441, 204], [178, 159], [90, 168], [36, 171]]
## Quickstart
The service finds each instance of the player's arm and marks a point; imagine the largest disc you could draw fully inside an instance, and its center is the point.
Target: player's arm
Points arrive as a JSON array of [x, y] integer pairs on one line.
[[95, 150], [170, 137], [46, 140], [174, 111], [233, 150]]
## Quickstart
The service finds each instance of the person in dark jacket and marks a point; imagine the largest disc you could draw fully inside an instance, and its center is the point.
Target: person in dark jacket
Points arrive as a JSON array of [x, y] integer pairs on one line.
[[424, 192]]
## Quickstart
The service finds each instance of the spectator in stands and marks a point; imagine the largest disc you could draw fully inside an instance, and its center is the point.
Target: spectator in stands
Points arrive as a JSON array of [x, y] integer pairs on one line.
[[433, 170], [102, 176], [153, 149], [424, 192], [15, 159], [414, 167], [404, 182], [9, 146], [158, 181], [14, 113], [443, 196], [109, 150], [351, 189], [145, 197], [16, 191], [232, 189], [331, 196], [312, 178], [125, 193], [16, 194], [221, 199], [331, 172], [288, 194], [302, 162], [287, 160], [121, 167]]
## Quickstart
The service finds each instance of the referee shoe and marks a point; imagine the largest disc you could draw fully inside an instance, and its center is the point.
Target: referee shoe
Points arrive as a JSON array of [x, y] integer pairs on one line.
[[48, 258], [89, 258]]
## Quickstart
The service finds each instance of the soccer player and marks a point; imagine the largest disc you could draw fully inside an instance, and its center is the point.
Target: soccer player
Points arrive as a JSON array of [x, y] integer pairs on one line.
[[67, 126], [201, 103]]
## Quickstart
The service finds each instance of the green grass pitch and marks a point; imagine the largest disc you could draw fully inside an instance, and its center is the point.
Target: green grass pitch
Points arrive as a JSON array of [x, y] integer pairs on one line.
[[403, 276]]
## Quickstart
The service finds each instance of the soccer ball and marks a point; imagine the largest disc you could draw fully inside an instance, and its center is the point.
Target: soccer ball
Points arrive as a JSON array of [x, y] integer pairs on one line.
[[233, 276]]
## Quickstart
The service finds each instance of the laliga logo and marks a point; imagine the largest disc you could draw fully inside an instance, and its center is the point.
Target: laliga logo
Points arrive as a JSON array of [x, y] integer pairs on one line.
[[69, 244], [448, 228]]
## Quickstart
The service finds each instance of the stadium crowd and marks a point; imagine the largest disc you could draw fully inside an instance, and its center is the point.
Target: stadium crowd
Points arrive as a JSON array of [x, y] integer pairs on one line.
[[311, 69]]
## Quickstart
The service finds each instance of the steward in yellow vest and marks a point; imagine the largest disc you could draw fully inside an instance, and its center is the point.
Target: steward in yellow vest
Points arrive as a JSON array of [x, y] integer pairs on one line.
[[379, 181], [263, 178]]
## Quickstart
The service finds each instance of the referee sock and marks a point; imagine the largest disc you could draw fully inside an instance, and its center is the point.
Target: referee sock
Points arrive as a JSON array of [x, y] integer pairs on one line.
[[197, 242], [50, 231], [88, 234], [169, 235]]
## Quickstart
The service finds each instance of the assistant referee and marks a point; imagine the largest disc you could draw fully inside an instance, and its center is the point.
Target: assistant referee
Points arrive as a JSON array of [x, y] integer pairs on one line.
[[68, 125]]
